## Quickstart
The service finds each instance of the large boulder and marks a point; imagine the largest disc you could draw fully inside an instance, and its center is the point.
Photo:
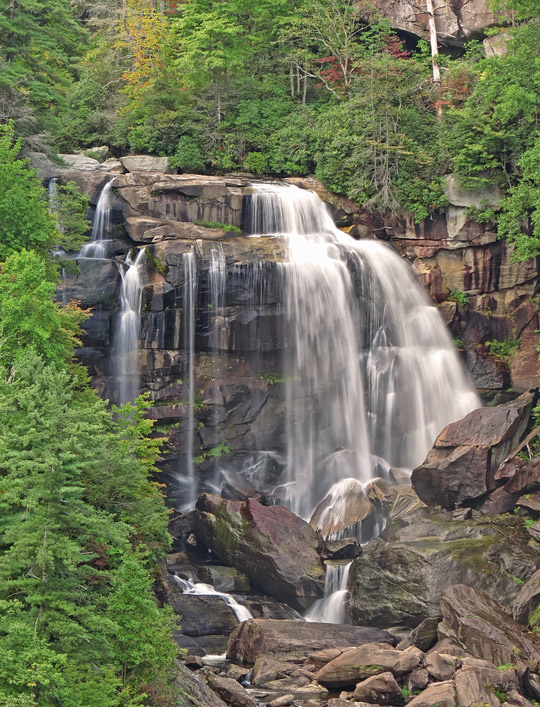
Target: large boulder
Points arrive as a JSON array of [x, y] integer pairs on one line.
[[357, 664], [481, 625], [295, 641], [466, 455], [145, 163], [456, 22], [273, 546], [345, 508], [479, 198], [379, 690], [81, 162], [400, 577]]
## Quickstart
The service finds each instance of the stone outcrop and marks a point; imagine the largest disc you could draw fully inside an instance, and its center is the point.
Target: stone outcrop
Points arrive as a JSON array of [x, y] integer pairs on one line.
[[463, 463], [274, 547], [295, 641], [357, 664], [456, 22], [481, 625], [400, 577], [145, 163]]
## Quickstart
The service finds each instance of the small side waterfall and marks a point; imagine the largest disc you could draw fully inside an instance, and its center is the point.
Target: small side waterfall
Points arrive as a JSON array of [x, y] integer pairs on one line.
[[200, 589], [331, 608], [190, 304], [99, 245], [218, 329], [128, 329]]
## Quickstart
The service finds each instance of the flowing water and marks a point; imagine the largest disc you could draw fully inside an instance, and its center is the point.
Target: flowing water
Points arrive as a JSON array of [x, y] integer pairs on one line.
[[99, 244], [218, 326], [372, 374], [200, 589], [188, 314], [126, 343], [331, 608]]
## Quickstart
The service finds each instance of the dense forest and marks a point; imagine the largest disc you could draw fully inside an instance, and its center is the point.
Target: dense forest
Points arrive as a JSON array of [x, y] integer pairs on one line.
[[281, 88], [272, 87]]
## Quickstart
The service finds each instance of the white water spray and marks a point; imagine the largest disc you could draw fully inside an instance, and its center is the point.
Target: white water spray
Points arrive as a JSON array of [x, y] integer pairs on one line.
[[372, 372], [99, 244], [190, 304], [200, 589], [126, 345], [331, 608]]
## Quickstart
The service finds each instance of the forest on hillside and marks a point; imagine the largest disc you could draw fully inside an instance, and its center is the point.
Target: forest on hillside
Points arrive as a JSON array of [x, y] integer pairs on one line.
[[274, 88], [282, 87]]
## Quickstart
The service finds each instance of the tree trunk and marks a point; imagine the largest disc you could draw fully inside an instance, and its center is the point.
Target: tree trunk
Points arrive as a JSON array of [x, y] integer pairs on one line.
[[434, 56]]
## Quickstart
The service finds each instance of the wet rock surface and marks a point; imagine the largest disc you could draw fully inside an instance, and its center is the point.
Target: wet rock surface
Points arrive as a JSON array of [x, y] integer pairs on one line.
[[400, 577], [466, 456], [274, 547]]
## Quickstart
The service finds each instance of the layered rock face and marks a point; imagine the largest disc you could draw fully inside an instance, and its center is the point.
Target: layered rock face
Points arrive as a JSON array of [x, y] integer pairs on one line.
[[457, 22], [233, 321], [482, 294]]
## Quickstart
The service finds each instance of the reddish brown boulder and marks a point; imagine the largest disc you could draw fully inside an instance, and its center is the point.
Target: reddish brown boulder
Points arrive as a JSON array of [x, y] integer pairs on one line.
[[481, 625], [295, 640], [273, 546], [464, 460], [360, 663], [379, 690]]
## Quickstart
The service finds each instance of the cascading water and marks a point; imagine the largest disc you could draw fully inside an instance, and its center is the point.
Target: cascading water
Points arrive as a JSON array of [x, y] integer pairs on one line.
[[99, 244], [189, 309], [218, 328], [331, 608], [200, 589], [126, 344], [372, 374]]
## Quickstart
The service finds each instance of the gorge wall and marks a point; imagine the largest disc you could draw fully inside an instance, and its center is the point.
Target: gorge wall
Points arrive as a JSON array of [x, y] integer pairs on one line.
[[235, 368]]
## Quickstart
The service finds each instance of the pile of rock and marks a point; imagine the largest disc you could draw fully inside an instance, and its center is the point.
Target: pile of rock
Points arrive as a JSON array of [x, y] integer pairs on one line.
[[477, 655]]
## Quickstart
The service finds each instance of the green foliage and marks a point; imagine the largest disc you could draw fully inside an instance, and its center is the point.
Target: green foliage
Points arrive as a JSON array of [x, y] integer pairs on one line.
[[221, 450], [70, 211], [227, 227], [459, 297], [503, 349], [25, 221], [39, 43], [70, 511], [271, 378], [29, 318], [255, 162], [188, 156]]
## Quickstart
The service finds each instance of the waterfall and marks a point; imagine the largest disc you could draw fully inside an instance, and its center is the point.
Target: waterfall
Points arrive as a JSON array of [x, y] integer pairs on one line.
[[99, 244], [126, 344], [189, 309], [218, 326], [331, 608], [200, 589], [372, 373]]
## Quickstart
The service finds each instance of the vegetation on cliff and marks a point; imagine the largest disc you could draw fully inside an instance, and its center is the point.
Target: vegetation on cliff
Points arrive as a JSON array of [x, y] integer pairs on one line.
[[82, 527], [283, 88]]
